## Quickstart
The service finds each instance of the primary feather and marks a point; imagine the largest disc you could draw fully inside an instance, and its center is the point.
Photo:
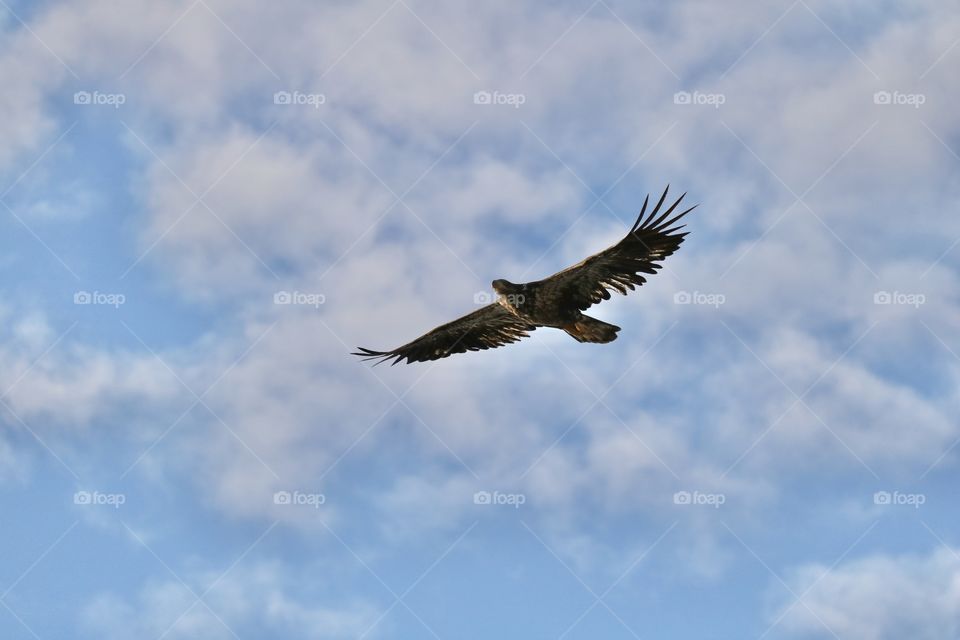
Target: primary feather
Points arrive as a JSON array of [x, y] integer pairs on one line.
[[620, 267], [489, 327]]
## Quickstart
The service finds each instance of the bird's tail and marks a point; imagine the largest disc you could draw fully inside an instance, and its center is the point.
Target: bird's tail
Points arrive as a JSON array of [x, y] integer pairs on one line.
[[588, 329]]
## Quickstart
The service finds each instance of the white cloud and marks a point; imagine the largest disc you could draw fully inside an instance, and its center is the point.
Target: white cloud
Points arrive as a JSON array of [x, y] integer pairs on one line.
[[52, 377], [24, 122], [878, 597], [261, 594]]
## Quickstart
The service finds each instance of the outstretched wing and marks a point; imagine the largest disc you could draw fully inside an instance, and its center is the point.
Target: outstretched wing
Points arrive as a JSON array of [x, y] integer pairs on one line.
[[619, 267], [486, 328]]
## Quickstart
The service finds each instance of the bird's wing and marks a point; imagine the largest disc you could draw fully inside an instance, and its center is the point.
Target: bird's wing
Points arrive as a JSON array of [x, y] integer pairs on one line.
[[619, 267], [486, 328]]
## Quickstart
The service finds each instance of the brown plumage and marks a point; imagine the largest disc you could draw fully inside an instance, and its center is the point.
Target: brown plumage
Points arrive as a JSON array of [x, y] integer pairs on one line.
[[556, 301]]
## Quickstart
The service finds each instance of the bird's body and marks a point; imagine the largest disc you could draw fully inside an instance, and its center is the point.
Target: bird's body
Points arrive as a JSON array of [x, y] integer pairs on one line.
[[557, 301], [527, 302]]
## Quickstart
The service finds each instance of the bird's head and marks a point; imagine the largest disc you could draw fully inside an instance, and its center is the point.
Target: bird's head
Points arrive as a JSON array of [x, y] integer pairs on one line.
[[503, 287]]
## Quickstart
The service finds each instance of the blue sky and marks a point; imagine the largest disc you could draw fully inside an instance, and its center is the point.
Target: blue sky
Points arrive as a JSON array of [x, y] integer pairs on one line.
[[767, 450]]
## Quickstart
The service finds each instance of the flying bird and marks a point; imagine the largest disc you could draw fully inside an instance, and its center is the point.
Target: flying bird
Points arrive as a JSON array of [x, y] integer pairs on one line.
[[557, 301]]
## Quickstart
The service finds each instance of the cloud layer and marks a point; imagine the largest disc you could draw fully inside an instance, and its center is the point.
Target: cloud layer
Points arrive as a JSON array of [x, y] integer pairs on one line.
[[382, 163]]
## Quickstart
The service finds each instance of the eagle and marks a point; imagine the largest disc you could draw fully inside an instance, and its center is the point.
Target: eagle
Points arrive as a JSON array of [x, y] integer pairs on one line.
[[557, 301]]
